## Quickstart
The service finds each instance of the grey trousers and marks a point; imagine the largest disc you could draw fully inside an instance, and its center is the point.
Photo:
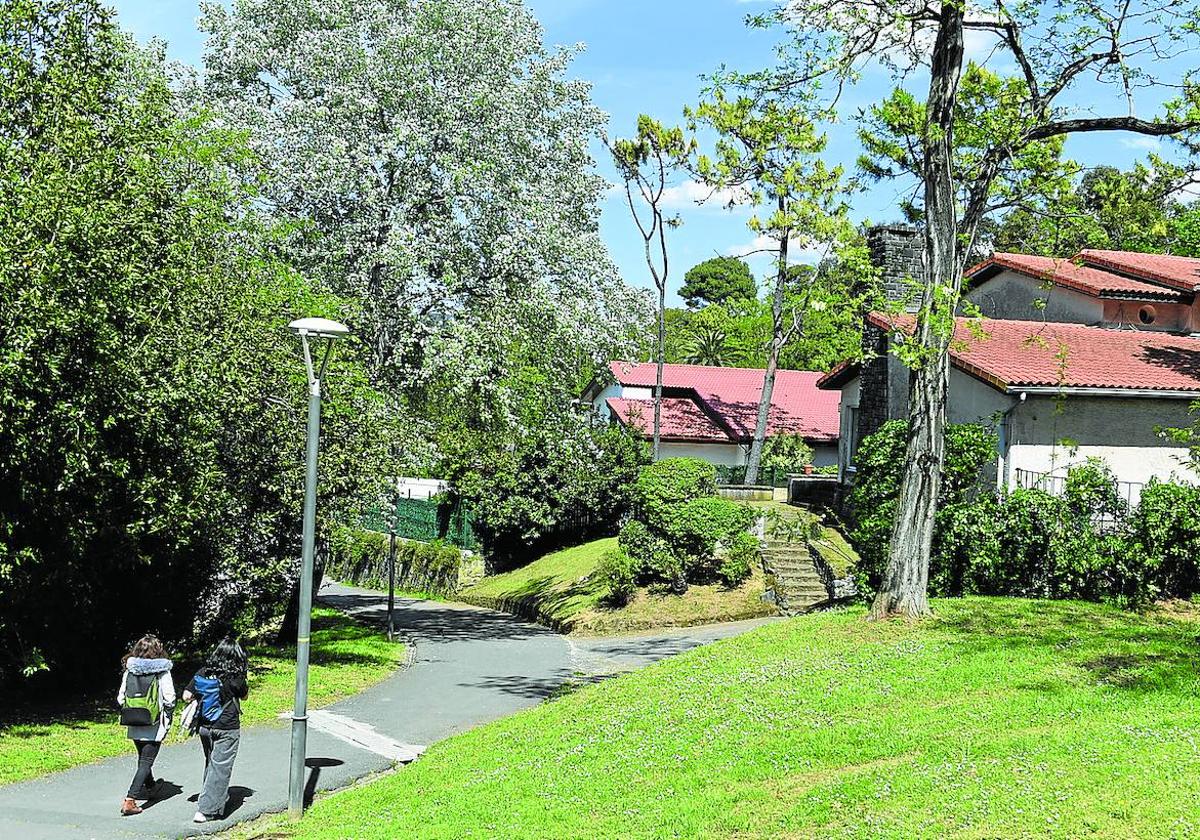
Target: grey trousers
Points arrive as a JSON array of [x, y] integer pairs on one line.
[[220, 749]]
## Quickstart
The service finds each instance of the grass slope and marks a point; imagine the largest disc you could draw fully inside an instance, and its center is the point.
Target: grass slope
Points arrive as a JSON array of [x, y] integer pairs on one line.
[[561, 590], [999, 718], [346, 657]]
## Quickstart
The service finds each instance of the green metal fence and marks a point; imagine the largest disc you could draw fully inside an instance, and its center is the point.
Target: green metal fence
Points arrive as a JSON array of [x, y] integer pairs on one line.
[[426, 520], [767, 476]]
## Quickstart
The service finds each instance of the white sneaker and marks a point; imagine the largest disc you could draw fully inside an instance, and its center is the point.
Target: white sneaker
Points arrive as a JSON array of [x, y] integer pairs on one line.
[[199, 818]]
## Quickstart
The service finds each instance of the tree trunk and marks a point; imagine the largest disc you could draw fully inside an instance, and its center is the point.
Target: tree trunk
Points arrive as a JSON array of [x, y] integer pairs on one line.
[[906, 583], [660, 352], [768, 388]]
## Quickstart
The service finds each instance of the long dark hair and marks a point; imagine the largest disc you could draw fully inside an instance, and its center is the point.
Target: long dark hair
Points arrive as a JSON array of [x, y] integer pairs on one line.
[[147, 647], [227, 660]]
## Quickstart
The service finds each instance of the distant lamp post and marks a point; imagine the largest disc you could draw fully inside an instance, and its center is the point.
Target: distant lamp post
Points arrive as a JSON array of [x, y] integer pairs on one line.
[[328, 331]]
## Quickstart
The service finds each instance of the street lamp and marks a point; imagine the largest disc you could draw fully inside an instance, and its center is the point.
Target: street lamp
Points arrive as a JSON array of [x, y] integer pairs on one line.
[[330, 331]]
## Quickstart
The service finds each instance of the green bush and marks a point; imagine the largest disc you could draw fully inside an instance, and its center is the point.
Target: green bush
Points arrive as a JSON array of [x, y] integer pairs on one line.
[[618, 571], [741, 556], [565, 483], [698, 525], [873, 500], [663, 485], [361, 557], [1164, 535], [786, 453], [656, 561]]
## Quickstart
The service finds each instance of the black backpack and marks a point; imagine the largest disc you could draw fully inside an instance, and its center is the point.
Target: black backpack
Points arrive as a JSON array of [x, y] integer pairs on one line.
[[141, 706]]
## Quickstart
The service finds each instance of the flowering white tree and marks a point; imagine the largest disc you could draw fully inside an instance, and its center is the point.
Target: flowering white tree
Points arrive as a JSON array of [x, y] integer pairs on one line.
[[432, 160]]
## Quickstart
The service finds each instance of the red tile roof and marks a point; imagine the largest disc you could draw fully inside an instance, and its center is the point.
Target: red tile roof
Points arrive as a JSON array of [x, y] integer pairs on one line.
[[681, 419], [729, 396], [1012, 354], [1177, 272], [1070, 274]]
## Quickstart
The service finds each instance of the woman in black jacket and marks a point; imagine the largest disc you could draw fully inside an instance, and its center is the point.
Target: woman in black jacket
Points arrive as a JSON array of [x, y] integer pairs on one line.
[[220, 687]]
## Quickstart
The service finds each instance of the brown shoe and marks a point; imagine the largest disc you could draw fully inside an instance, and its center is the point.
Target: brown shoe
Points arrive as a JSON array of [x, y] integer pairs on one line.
[[129, 807]]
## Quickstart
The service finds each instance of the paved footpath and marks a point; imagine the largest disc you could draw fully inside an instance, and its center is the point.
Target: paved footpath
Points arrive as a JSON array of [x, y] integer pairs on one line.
[[469, 666]]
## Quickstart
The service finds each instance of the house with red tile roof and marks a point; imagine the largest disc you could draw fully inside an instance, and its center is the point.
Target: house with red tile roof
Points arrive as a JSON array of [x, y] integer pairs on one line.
[[1075, 358], [710, 412]]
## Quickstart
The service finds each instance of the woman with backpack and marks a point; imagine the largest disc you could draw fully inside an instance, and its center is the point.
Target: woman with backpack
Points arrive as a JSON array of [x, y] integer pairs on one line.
[[146, 697], [218, 689]]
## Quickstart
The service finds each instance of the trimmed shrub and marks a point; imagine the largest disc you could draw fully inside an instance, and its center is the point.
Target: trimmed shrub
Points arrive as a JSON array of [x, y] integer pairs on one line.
[[655, 560], [697, 526], [361, 557], [1164, 538], [663, 485], [619, 573], [739, 558]]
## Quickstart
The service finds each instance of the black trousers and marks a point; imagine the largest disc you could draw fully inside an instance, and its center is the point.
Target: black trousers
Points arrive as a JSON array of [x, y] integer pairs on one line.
[[147, 751]]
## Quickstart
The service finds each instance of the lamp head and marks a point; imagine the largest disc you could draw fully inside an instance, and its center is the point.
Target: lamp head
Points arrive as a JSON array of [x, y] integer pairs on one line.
[[319, 328]]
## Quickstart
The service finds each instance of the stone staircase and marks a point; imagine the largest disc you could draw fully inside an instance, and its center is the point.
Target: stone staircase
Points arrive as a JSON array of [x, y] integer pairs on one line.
[[798, 584]]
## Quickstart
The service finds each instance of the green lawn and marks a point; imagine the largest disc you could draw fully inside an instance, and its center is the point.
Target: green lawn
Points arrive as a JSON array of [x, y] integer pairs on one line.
[[561, 590], [346, 657], [999, 718]]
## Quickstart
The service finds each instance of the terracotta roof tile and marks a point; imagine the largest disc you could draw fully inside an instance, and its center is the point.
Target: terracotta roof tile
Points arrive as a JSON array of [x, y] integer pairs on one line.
[[1181, 273], [681, 419], [1030, 353], [1069, 274], [732, 394]]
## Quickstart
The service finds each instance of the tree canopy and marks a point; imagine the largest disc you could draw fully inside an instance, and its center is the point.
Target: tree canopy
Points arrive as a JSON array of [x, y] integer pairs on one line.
[[151, 447], [717, 280]]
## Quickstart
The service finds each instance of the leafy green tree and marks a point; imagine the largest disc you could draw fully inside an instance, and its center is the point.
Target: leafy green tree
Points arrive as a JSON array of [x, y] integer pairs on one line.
[[646, 163], [771, 150], [152, 399], [1135, 210], [717, 280], [1119, 47]]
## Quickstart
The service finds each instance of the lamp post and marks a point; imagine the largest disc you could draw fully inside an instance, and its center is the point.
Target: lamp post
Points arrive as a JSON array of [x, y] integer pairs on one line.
[[330, 331]]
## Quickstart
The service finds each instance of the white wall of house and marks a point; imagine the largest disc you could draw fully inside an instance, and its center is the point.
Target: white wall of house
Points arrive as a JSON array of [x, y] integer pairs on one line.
[[1043, 434], [629, 392], [1122, 431], [824, 454], [722, 454], [1011, 295]]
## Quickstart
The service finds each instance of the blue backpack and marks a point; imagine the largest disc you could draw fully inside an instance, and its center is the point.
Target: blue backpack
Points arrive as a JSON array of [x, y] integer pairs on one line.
[[208, 690]]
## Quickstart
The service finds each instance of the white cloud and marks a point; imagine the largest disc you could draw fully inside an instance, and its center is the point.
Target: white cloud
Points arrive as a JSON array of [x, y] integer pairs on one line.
[[1135, 142], [764, 246], [691, 194]]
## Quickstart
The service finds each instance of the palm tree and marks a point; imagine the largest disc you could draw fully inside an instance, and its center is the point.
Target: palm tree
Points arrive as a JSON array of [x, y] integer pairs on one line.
[[708, 345]]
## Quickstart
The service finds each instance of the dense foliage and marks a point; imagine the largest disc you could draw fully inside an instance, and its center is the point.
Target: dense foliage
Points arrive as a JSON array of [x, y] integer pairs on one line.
[[786, 453], [433, 160], [565, 482], [362, 557], [1084, 542], [872, 501], [680, 532], [717, 280], [151, 452]]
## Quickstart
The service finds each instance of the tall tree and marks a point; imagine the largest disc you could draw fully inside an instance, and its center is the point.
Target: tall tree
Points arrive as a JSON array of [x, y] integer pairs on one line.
[[646, 163], [717, 280], [771, 153], [1118, 47], [433, 160], [1139, 209], [151, 443]]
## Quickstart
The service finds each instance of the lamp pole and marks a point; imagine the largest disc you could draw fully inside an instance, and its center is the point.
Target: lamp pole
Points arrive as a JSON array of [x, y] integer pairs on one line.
[[391, 627], [329, 330]]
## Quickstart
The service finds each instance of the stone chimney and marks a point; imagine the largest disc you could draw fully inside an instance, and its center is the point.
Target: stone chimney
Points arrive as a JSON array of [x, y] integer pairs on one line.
[[898, 251]]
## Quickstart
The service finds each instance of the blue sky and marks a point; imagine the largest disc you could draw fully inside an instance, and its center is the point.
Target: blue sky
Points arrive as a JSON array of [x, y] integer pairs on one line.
[[647, 56]]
